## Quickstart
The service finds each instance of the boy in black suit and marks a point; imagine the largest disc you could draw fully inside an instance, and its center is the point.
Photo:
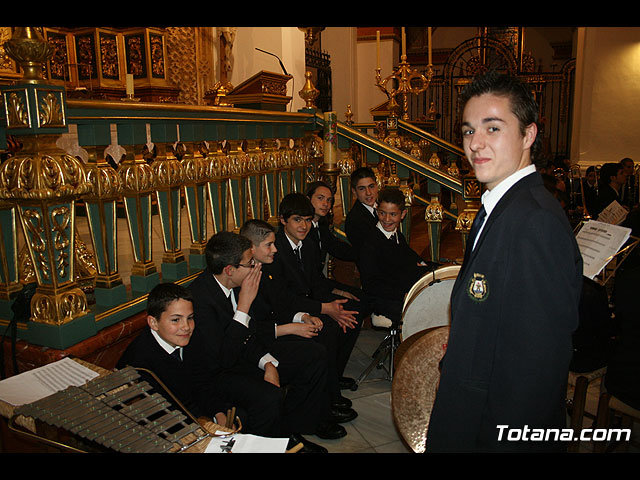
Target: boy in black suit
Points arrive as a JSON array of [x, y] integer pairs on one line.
[[362, 217], [305, 289], [388, 266], [229, 326], [287, 328], [515, 301], [328, 243], [321, 197], [161, 349]]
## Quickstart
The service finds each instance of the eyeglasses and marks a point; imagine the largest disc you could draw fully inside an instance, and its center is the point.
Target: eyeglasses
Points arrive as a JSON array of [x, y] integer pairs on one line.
[[251, 264]]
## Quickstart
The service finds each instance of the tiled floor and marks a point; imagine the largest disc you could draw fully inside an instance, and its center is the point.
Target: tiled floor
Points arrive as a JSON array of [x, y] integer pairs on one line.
[[373, 431]]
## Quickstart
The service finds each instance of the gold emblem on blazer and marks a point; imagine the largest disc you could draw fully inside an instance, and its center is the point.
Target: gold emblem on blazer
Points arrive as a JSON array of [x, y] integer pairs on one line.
[[478, 289]]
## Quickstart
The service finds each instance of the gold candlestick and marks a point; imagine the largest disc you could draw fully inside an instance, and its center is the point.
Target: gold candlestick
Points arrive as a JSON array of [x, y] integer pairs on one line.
[[408, 80]]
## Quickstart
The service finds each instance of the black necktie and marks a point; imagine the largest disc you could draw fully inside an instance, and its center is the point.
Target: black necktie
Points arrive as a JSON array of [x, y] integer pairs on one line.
[[298, 253], [176, 354], [477, 224]]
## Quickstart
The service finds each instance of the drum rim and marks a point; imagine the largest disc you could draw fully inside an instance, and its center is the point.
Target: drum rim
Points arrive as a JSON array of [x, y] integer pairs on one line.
[[448, 272]]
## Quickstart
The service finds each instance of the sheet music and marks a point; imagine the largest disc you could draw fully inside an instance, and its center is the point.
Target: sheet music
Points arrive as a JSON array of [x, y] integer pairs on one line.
[[247, 443], [598, 243], [614, 214], [27, 387]]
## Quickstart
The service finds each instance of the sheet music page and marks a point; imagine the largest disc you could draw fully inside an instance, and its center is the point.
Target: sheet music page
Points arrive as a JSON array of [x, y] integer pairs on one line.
[[613, 214], [598, 243], [247, 443], [43, 381]]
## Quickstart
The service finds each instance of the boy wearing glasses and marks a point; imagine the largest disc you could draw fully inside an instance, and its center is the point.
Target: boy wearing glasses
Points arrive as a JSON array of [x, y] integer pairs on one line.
[[223, 296]]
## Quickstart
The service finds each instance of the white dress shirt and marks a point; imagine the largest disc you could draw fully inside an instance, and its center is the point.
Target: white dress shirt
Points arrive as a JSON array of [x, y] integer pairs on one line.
[[490, 198]]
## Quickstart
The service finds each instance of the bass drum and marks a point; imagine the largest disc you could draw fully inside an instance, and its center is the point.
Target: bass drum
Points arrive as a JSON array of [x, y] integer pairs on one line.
[[428, 303]]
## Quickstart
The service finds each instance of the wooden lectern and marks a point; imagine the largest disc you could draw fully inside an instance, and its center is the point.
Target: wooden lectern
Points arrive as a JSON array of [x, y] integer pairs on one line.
[[264, 91]]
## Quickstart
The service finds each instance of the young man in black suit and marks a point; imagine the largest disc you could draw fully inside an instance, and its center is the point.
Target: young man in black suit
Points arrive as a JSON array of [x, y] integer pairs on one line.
[[162, 349], [362, 217], [224, 295], [388, 266], [612, 179], [514, 305], [302, 285], [286, 324], [328, 243], [321, 197]]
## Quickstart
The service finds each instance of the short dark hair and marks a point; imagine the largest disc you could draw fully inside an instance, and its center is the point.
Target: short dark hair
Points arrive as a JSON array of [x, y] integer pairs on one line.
[[296, 204], [626, 160], [162, 295], [360, 173], [256, 230], [313, 186], [521, 99], [609, 170], [392, 195], [225, 248], [590, 169]]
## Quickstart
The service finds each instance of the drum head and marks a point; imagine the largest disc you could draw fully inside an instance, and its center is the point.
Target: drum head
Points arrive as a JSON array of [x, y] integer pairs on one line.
[[414, 386], [428, 303]]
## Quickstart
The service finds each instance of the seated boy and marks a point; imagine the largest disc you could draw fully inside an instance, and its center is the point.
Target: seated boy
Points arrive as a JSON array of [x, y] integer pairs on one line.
[[161, 349], [321, 197], [328, 243], [229, 326], [302, 286], [290, 323], [362, 217], [388, 266]]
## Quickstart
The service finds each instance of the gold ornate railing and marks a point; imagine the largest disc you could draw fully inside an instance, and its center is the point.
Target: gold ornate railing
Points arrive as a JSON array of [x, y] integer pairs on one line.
[[101, 200]]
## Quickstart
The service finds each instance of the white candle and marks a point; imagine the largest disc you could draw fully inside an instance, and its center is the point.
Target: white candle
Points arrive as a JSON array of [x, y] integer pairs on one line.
[[130, 84], [378, 48], [404, 43], [429, 44]]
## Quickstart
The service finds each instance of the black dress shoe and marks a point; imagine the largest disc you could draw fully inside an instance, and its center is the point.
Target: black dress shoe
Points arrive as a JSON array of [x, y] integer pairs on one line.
[[330, 431], [342, 402], [343, 415], [307, 446], [347, 383]]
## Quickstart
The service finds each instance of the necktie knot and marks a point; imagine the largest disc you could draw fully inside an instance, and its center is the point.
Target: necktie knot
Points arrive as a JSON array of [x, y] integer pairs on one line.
[[176, 354]]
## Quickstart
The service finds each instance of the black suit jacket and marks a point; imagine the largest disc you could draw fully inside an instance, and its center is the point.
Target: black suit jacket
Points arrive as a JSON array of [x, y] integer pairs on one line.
[[291, 288], [606, 195], [190, 381], [328, 243], [514, 306], [358, 224], [388, 268], [229, 343]]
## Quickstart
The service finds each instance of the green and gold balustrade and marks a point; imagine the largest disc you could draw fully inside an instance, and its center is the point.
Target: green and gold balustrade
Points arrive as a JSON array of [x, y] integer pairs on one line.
[[195, 169], [169, 177]]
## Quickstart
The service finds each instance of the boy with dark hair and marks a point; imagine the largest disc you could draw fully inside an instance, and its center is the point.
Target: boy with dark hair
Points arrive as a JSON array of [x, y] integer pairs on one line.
[[228, 326], [300, 284], [388, 266], [161, 348], [612, 179], [322, 196], [508, 353], [362, 216]]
